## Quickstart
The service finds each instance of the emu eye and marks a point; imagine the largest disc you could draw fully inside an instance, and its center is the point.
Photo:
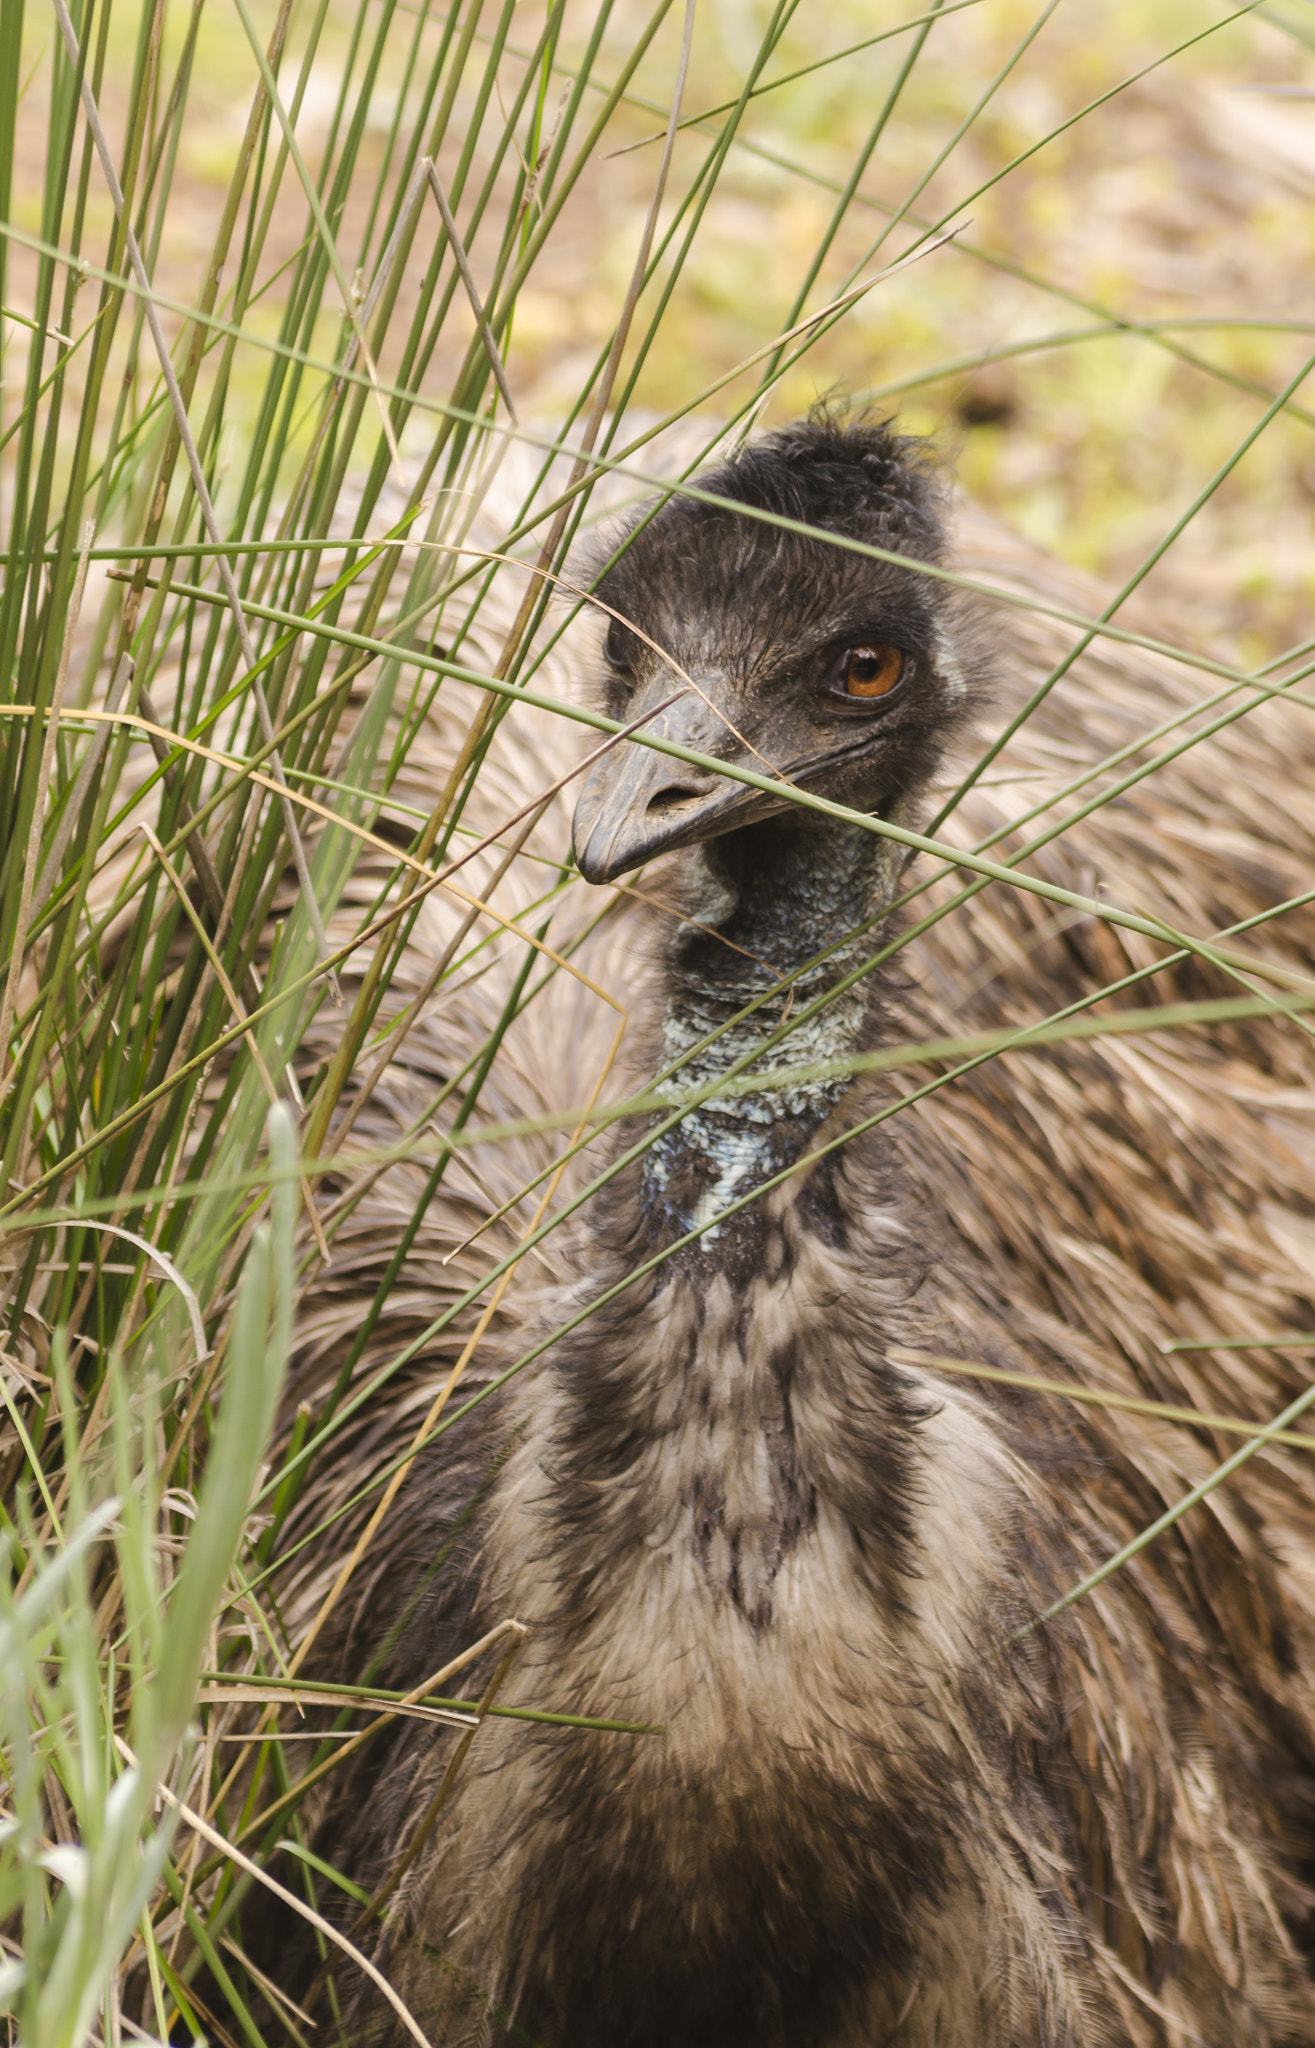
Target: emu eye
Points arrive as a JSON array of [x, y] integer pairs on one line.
[[619, 646], [870, 671]]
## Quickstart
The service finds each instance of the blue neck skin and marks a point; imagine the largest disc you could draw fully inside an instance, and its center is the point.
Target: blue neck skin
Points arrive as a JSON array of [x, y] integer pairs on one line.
[[767, 900]]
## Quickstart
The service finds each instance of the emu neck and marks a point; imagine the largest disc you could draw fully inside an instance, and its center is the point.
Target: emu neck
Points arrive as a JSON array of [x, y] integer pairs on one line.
[[765, 903]]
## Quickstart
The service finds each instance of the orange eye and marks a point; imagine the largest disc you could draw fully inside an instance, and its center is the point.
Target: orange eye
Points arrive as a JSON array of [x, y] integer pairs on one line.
[[871, 671]]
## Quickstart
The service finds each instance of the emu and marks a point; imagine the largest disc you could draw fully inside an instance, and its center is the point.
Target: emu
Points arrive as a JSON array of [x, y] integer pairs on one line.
[[739, 1503]]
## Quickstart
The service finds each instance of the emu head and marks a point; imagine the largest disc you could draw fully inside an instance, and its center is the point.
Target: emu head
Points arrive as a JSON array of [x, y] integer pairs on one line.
[[837, 671]]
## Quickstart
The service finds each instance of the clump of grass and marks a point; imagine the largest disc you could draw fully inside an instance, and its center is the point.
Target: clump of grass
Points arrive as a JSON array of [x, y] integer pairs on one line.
[[101, 1670], [254, 422]]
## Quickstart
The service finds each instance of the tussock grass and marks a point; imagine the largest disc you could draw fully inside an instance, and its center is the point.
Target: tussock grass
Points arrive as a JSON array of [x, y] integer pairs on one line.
[[327, 333]]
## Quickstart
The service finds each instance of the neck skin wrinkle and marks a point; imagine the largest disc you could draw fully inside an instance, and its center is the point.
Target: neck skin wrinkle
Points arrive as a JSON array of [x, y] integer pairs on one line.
[[770, 898]]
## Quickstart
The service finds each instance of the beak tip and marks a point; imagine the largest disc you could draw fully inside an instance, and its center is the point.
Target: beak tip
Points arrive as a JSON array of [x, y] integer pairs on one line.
[[586, 845], [590, 871]]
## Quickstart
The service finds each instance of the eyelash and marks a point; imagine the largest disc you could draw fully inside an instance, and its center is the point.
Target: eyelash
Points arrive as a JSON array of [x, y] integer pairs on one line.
[[616, 649]]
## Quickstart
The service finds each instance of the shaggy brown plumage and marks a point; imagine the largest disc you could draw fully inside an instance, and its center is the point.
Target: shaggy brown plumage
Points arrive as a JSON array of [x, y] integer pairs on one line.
[[878, 1812]]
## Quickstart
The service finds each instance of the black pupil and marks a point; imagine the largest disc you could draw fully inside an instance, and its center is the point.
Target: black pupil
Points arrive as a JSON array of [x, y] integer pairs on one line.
[[865, 668], [616, 644]]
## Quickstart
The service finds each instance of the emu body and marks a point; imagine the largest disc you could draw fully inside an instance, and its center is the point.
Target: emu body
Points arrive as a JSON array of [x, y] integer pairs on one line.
[[882, 1806], [716, 1518]]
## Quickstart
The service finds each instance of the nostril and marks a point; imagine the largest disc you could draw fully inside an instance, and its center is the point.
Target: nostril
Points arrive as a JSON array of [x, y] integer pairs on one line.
[[668, 798]]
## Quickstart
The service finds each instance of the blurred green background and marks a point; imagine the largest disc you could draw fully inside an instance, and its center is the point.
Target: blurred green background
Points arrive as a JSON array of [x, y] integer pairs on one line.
[[1183, 204]]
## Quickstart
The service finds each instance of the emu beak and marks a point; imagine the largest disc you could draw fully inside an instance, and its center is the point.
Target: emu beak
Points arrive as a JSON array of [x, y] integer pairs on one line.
[[637, 803]]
